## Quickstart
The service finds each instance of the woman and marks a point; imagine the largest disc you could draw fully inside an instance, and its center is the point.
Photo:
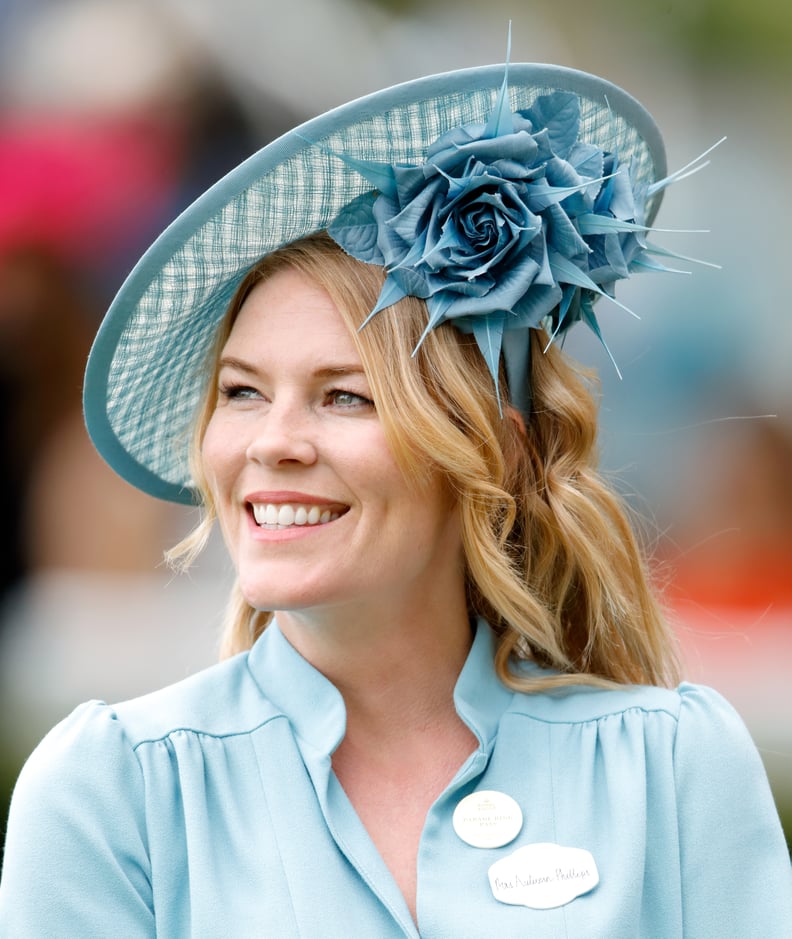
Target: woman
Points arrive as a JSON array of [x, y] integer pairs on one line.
[[454, 723]]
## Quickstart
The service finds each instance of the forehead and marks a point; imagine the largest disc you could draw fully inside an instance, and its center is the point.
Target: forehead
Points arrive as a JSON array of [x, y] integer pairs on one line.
[[288, 314]]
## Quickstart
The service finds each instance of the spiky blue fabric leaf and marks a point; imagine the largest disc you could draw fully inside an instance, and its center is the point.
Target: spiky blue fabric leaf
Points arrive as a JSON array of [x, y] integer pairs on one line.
[[512, 223]]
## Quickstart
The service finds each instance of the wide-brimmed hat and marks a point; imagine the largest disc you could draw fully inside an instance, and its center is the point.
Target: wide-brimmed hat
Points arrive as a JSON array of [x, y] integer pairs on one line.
[[146, 370]]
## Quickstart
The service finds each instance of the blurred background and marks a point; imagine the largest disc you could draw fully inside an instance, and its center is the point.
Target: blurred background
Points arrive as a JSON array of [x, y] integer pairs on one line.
[[115, 114]]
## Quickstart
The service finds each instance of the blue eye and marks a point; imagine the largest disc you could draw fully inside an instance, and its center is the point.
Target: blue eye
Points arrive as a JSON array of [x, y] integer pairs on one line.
[[237, 392], [349, 399]]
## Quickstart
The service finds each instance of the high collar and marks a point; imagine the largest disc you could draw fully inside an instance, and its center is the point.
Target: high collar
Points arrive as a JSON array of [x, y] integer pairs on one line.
[[315, 707]]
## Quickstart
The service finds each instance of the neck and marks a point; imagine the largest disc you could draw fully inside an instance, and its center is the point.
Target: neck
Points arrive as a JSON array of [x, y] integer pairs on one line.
[[394, 668]]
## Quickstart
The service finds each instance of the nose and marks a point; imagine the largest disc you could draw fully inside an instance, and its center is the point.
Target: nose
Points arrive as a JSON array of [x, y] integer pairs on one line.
[[284, 435]]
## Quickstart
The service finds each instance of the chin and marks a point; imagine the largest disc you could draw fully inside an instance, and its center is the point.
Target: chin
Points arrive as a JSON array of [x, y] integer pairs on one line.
[[304, 586], [261, 597]]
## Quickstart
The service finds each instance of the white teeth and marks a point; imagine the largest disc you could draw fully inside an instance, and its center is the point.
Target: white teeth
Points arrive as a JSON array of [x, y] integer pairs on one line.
[[284, 515]]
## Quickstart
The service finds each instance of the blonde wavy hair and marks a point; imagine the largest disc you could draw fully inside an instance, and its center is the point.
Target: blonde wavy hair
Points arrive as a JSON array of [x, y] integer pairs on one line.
[[552, 561]]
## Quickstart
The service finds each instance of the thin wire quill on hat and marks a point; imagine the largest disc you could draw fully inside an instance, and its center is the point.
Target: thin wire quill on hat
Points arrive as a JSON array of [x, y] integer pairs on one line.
[[511, 224]]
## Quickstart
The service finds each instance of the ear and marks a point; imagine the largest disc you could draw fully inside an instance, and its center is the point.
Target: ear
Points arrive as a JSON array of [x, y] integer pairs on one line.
[[512, 414]]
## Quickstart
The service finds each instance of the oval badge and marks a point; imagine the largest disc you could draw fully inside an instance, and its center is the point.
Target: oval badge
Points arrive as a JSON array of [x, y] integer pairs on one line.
[[543, 876]]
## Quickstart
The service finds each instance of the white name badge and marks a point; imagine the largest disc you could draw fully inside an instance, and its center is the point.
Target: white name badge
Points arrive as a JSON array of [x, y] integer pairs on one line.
[[487, 819], [543, 876]]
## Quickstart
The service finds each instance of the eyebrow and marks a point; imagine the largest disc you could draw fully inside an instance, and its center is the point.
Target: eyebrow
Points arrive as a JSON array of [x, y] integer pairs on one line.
[[329, 371]]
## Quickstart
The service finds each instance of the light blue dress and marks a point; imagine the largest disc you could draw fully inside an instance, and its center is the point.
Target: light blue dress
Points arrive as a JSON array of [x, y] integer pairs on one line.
[[210, 809]]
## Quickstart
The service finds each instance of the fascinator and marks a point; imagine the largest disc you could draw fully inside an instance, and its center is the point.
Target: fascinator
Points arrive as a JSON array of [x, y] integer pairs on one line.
[[508, 197]]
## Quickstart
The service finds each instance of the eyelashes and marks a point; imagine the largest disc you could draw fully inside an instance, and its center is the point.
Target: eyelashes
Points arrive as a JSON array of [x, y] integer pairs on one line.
[[233, 392], [342, 398], [349, 399]]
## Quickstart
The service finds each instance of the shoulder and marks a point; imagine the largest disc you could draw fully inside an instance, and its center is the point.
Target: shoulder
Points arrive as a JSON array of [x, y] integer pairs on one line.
[[688, 703], [90, 764], [223, 700], [693, 723], [77, 828], [689, 736]]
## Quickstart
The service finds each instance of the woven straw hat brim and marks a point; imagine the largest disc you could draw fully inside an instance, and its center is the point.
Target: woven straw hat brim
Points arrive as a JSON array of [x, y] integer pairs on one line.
[[146, 369]]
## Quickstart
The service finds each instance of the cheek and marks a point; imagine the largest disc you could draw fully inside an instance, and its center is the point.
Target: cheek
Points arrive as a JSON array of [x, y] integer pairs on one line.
[[219, 456], [376, 472], [218, 460]]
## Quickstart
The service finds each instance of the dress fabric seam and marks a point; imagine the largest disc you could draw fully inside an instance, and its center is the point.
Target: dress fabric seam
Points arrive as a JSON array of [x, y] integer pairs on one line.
[[205, 733]]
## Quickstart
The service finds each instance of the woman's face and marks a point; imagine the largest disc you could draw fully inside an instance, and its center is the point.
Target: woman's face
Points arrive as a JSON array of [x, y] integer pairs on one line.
[[313, 508]]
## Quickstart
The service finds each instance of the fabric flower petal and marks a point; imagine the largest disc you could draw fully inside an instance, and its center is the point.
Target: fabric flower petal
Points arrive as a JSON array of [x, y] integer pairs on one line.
[[357, 231], [507, 224], [559, 114]]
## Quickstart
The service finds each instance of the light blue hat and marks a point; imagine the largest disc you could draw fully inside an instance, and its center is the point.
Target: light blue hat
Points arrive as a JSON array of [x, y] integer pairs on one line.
[[507, 197]]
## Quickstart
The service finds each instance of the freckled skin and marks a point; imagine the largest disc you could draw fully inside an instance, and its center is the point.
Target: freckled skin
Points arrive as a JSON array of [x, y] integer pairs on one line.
[[291, 426]]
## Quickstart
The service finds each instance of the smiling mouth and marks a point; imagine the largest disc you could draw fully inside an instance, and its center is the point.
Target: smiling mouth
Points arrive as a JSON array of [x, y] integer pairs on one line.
[[277, 516]]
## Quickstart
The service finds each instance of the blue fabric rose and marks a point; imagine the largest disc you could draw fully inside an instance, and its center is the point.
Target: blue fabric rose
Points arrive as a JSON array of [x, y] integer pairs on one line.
[[510, 224]]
